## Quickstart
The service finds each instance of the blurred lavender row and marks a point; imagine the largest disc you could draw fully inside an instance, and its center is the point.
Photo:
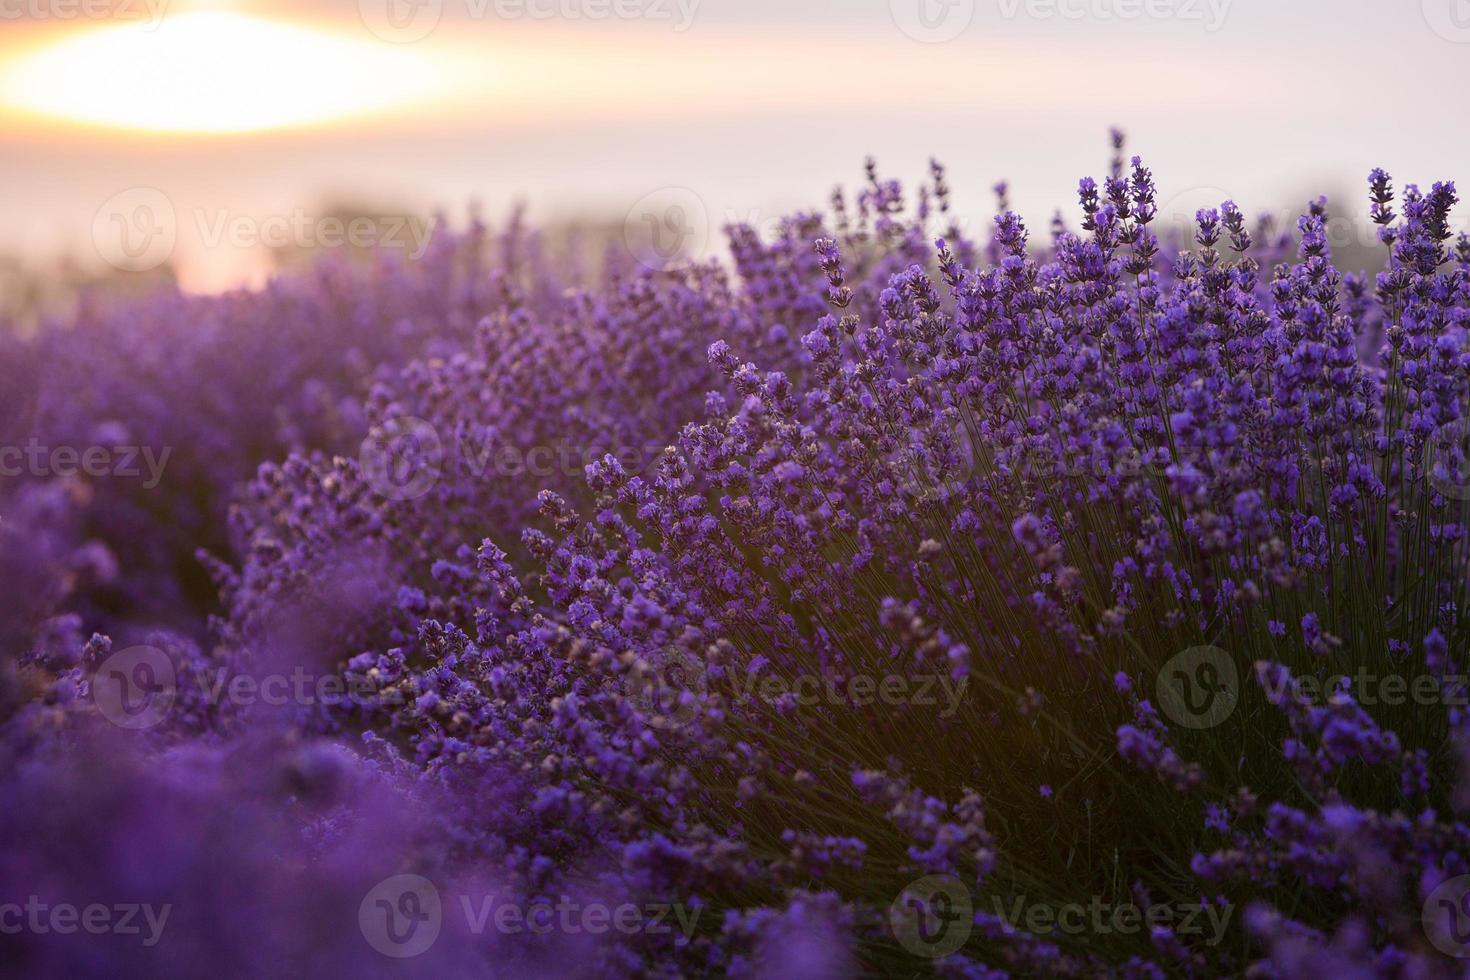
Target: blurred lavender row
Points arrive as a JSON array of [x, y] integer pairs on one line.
[[881, 602]]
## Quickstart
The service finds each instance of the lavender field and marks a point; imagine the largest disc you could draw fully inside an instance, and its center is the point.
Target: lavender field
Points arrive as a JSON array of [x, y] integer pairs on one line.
[[767, 489], [884, 600]]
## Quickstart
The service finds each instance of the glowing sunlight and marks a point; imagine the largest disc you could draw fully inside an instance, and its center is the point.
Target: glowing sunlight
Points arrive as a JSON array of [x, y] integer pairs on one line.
[[214, 72]]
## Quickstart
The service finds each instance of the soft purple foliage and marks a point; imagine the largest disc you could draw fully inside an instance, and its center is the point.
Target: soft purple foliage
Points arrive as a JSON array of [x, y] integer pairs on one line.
[[1008, 478]]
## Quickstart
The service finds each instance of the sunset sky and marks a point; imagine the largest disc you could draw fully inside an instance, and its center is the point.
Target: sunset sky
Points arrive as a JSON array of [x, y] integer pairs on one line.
[[256, 107]]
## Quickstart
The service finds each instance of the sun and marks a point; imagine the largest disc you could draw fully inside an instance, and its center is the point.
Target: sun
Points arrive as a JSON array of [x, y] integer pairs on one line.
[[215, 72]]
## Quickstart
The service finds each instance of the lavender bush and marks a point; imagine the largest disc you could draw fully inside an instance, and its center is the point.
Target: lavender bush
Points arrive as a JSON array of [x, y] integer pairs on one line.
[[891, 602]]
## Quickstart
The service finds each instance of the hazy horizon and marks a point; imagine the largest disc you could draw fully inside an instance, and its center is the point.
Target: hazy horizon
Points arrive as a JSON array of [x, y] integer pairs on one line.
[[754, 108]]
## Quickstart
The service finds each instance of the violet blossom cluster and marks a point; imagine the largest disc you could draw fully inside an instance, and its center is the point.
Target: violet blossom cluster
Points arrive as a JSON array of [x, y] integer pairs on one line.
[[1059, 473]]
